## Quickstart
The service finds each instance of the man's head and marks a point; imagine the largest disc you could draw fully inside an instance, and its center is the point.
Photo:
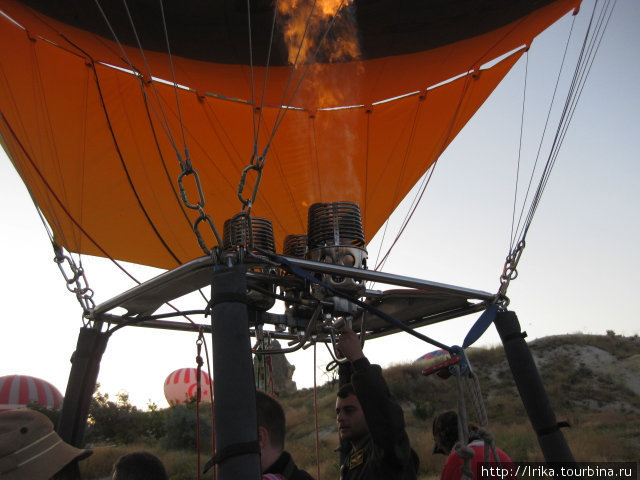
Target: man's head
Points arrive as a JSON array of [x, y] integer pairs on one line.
[[271, 428], [352, 424], [139, 466], [445, 432], [30, 448]]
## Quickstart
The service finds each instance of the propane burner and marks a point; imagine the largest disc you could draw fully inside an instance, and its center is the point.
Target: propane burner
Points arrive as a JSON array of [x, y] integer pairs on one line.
[[242, 234], [252, 233], [335, 235], [295, 246], [335, 224]]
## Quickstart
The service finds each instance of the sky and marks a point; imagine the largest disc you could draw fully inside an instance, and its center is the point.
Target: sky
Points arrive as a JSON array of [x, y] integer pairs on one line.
[[578, 272]]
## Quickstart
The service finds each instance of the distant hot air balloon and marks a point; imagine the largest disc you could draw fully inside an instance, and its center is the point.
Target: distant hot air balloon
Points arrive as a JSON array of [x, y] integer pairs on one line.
[[181, 385], [17, 391], [434, 357]]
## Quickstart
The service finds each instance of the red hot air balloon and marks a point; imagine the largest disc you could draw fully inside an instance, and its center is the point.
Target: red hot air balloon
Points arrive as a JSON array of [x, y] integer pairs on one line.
[[17, 391], [181, 385]]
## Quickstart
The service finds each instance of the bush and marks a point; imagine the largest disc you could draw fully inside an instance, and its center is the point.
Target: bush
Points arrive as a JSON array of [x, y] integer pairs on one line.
[[181, 432]]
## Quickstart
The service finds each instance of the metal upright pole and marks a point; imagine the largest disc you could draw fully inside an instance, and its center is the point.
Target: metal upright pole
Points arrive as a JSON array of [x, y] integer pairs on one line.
[[236, 432], [534, 396], [85, 365]]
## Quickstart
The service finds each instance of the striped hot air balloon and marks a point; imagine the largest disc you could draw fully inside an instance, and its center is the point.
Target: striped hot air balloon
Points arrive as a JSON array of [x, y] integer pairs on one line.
[[181, 385], [17, 391]]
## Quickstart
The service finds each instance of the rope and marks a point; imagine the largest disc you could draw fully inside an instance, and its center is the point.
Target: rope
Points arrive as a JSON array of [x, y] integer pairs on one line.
[[315, 408], [213, 418], [427, 177], [473, 384], [199, 362], [461, 447]]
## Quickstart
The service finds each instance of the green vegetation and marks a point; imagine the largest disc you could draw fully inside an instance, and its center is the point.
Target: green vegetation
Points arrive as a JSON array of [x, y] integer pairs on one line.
[[585, 391]]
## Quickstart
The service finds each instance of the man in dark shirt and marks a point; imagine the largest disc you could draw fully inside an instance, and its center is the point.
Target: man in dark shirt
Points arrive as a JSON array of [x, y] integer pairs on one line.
[[371, 422], [271, 432]]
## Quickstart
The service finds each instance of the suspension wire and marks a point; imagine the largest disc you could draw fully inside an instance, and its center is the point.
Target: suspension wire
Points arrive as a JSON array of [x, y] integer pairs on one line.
[[544, 132], [145, 99], [173, 77], [82, 291], [257, 163], [585, 62], [284, 101], [405, 156], [387, 222], [170, 181], [427, 177], [84, 294], [164, 123], [187, 167], [78, 272], [515, 194], [57, 199], [251, 73], [266, 74], [405, 223], [54, 244], [123, 163], [42, 101], [282, 111], [580, 75]]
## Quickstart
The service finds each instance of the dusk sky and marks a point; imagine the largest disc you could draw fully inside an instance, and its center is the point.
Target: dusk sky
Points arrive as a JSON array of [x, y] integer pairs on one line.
[[578, 273]]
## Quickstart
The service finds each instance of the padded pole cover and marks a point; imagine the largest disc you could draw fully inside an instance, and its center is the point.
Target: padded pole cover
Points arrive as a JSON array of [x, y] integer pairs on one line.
[[532, 392], [234, 401], [85, 366]]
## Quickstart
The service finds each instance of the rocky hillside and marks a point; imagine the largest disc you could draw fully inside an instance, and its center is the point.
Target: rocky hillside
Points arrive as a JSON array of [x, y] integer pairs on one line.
[[593, 382]]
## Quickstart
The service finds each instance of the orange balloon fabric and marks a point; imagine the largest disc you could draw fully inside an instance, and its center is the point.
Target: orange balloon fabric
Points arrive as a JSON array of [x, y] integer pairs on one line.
[[100, 147]]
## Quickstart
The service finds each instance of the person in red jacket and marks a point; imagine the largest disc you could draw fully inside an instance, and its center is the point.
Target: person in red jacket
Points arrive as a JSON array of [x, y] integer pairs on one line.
[[445, 437]]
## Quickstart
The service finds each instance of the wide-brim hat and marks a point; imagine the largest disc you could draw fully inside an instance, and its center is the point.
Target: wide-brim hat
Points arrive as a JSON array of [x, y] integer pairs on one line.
[[30, 448]]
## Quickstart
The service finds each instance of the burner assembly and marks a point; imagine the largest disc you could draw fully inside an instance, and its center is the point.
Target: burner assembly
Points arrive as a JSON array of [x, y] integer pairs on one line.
[[336, 236], [319, 281]]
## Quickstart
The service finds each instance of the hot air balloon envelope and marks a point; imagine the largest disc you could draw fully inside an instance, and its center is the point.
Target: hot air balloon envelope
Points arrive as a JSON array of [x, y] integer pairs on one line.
[[181, 385], [100, 128], [17, 391]]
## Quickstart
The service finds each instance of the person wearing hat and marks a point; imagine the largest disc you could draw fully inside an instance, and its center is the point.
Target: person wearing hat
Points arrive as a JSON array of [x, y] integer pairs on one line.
[[445, 437], [30, 449]]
